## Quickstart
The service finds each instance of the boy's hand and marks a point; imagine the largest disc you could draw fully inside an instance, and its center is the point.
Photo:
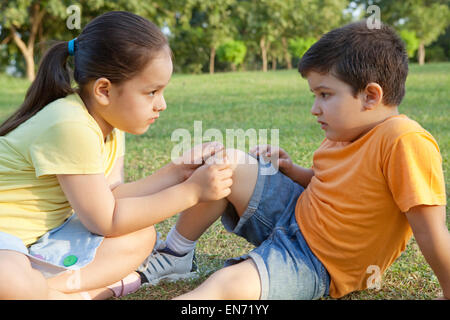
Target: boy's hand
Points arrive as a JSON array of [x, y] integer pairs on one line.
[[279, 158], [194, 158], [212, 181]]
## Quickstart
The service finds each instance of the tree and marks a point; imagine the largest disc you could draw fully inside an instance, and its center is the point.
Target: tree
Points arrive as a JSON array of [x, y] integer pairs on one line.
[[26, 20], [411, 41], [426, 18], [23, 20], [309, 19], [299, 46], [261, 18], [232, 52], [428, 21], [217, 23]]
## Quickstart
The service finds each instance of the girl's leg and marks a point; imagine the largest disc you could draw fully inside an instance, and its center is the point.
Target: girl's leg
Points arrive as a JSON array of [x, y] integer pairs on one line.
[[115, 259], [193, 222], [239, 281], [18, 280], [174, 260]]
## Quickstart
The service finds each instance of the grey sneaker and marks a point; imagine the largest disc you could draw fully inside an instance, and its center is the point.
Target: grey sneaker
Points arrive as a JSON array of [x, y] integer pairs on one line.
[[163, 263]]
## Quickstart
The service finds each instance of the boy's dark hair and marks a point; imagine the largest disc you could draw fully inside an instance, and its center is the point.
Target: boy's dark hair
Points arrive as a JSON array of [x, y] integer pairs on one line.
[[358, 55], [116, 45]]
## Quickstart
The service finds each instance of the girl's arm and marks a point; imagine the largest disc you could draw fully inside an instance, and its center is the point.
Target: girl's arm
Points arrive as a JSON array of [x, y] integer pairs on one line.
[[101, 213], [165, 177], [117, 175]]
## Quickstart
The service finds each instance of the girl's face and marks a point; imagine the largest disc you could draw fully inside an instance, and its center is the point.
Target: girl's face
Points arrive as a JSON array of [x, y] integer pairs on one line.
[[137, 103]]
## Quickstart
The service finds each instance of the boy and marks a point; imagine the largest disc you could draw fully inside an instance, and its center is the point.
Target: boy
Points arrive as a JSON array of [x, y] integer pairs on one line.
[[326, 230]]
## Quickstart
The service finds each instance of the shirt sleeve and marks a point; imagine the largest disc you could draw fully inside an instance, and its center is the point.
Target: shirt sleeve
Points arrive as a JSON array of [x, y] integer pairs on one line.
[[67, 148], [414, 172]]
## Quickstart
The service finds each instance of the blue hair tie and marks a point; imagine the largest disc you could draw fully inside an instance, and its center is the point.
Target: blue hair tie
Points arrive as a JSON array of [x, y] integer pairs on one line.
[[71, 47]]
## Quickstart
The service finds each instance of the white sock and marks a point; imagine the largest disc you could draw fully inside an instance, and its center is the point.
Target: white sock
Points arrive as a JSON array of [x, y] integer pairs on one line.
[[179, 244]]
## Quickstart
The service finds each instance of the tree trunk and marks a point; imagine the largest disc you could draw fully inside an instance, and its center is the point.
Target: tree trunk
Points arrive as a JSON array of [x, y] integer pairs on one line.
[[287, 56], [274, 63], [211, 60], [27, 52], [262, 45], [28, 49], [29, 60], [421, 53]]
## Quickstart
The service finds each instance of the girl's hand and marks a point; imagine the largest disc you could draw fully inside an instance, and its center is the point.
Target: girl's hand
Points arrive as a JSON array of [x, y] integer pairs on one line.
[[212, 181], [279, 158], [194, 158]]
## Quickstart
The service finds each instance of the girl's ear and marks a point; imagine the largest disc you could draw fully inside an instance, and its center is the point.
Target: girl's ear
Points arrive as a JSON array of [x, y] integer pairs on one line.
[[372, 95], [101, 91]]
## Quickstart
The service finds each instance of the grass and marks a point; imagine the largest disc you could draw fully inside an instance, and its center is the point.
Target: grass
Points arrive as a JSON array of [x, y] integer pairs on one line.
[[279, 100]]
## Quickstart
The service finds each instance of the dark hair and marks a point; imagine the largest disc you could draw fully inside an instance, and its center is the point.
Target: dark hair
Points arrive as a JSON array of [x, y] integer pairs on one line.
[[358, 55], [116, 45]]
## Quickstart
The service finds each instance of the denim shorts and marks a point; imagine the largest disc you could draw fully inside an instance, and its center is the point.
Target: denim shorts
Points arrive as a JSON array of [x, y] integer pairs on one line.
[[287, 267], [67, 247]]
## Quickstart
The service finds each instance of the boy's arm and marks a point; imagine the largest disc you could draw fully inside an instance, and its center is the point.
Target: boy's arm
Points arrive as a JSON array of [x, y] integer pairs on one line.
[[281, 159], [299, 174], [431, 233]]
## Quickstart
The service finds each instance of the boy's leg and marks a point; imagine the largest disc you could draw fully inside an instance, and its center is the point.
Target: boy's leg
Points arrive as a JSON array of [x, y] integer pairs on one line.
[[174, 260], [193, 222], [238, 282], [241, 280]]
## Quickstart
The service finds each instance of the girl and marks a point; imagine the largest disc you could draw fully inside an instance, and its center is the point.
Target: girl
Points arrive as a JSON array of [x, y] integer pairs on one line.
[[69, 227]]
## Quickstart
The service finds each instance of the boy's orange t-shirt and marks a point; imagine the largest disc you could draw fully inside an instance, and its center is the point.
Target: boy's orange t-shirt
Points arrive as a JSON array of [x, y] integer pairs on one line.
[[352, 214]]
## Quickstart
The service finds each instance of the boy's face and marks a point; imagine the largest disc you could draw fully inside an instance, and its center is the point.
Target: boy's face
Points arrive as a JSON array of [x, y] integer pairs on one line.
[[340, 114]]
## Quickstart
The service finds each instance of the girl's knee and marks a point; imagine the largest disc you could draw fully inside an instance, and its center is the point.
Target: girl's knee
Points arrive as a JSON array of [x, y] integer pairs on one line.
[[18, 280], [150, 237], [146, 239]]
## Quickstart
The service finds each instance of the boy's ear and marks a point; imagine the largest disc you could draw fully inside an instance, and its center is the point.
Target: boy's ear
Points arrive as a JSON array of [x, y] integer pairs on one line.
[[372, 95], [101, 91]]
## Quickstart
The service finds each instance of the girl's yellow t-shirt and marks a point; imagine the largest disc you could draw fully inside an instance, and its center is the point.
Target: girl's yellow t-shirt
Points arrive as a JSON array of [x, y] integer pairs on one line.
[[352, 214], [62, 138]]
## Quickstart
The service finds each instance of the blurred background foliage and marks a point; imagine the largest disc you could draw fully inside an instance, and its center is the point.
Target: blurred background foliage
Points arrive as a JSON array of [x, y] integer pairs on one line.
[[223, 35]]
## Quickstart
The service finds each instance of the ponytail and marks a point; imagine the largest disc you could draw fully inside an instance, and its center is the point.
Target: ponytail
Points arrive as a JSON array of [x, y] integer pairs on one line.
[[53, 81]]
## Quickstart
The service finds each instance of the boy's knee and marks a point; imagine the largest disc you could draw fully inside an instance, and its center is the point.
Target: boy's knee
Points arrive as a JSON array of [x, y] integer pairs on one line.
[[235, 282], [234, 156], [226, 281], [238, 157]]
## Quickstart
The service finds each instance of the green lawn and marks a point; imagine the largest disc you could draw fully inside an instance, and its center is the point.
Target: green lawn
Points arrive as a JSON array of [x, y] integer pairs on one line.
[[274, 100]]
